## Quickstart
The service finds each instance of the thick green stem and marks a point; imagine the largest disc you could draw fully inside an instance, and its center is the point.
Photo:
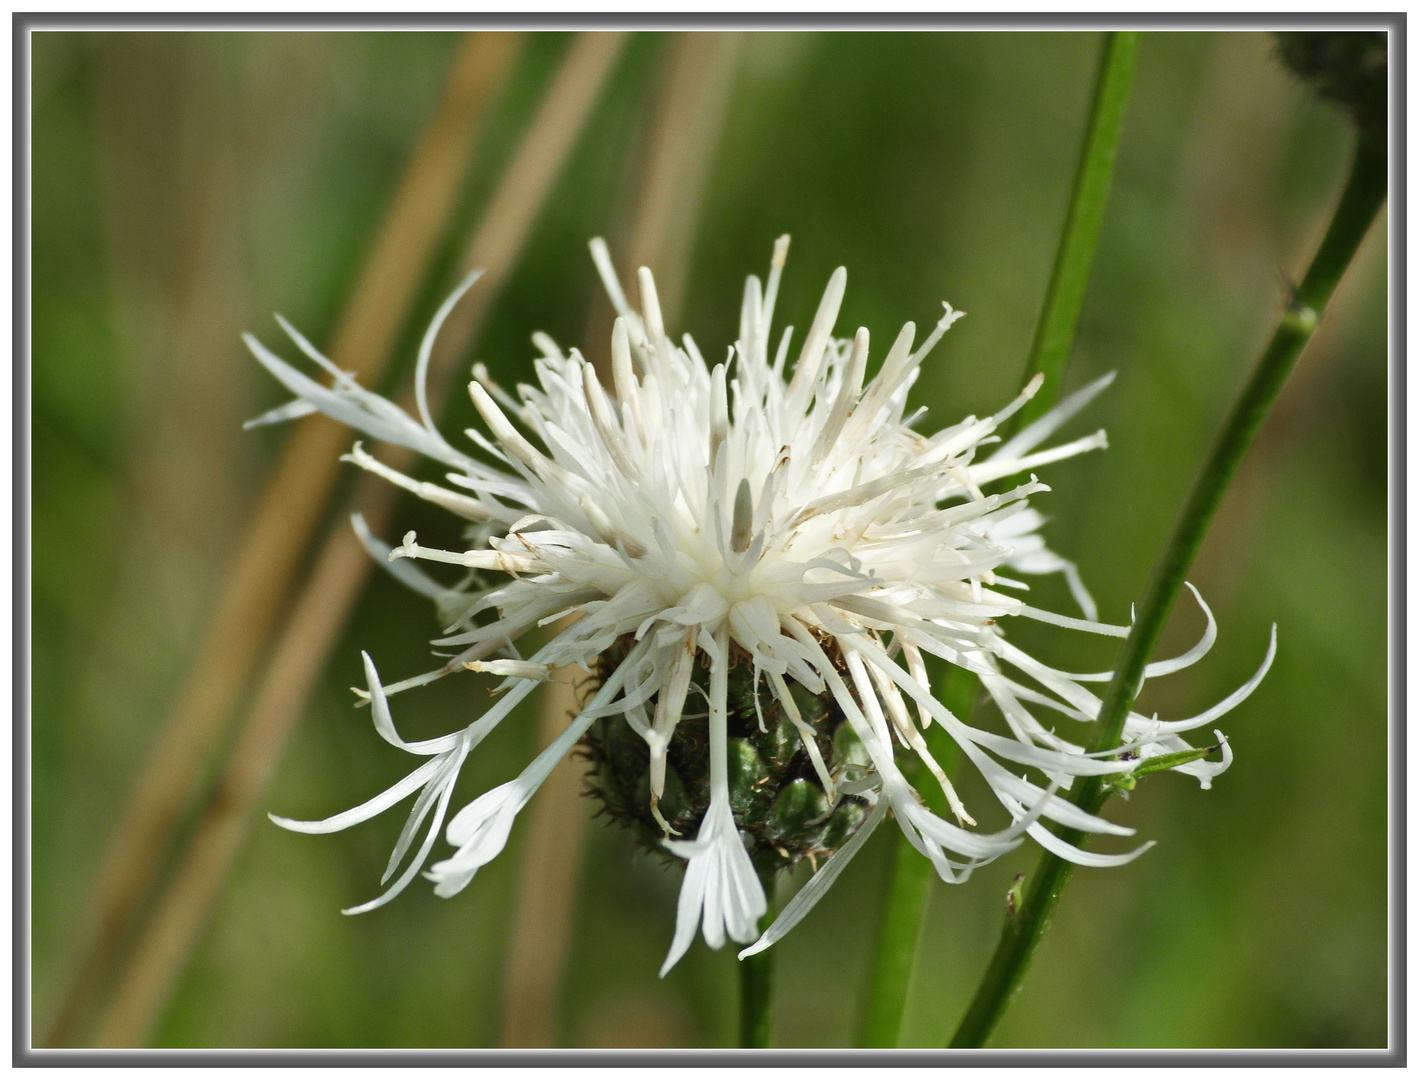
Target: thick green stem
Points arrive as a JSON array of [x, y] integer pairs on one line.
[[1364, 194], [756, 986], [908, 889], [1059, 317], [909, 880]]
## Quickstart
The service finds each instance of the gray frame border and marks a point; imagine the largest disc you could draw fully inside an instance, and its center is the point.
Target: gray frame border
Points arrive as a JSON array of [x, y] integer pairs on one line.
[[25, 23]]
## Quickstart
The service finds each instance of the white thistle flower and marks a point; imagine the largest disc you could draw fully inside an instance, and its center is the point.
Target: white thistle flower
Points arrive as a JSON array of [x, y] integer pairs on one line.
[[719, 515]]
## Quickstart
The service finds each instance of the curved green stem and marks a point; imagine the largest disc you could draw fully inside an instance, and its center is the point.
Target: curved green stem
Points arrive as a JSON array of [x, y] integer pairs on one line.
[[1364, 194], [909, 880], [903, 913], [756, 986]]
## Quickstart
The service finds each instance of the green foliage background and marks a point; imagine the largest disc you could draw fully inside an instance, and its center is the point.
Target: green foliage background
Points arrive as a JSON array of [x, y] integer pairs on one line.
[[186, 185]]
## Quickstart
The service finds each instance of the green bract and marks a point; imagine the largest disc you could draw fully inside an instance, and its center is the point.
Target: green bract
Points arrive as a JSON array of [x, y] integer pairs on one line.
[[778, 800]]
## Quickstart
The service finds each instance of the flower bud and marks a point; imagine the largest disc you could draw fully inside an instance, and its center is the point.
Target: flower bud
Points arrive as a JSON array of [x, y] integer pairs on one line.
[[776, 794], [1349, 68]]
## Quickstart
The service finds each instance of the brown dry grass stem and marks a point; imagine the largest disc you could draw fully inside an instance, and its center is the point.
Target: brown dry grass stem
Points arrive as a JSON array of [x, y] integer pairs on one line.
[[286, 514], [684, 137], [146, 982], [505, 222], [341, 567], [685, 131], [547, 878]]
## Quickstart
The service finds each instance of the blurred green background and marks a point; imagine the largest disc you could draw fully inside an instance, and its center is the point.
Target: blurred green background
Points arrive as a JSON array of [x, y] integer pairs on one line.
[[186, 185]]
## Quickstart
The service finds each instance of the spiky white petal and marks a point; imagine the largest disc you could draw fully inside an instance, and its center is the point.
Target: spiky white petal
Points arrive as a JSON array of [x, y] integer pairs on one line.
[[801, 520]]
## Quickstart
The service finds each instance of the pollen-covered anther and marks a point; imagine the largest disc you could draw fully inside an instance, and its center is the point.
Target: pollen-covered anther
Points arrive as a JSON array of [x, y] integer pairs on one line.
[[517, 669], [479, 558], [741, 531], [719, 412]]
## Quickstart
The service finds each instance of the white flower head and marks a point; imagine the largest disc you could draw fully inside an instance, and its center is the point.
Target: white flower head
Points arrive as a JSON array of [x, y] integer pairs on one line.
[[739, 518]]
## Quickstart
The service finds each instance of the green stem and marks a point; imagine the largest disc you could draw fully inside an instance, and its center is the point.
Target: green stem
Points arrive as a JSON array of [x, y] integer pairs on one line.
[[1364, 194], [908, 889], [756, 986], [1059, 317], [909, 881]]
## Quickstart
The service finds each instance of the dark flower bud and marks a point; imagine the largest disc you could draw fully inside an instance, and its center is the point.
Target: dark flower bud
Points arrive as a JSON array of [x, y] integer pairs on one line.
[[779, 803], [1349, 68]]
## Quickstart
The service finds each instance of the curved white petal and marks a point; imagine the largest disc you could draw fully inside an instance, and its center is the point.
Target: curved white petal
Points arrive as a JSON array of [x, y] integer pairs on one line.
[[817, 886], [1226, 705], [718, 514], [721, 891]]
